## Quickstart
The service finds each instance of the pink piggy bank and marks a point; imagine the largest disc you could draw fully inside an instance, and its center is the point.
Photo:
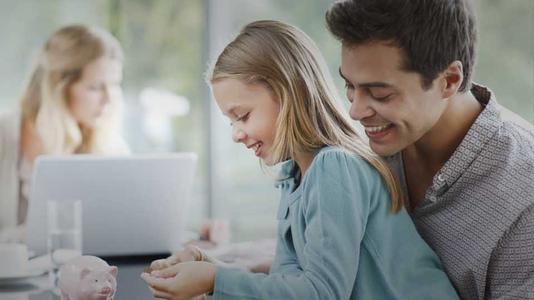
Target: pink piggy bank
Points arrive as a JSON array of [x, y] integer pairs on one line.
[[87, 278]]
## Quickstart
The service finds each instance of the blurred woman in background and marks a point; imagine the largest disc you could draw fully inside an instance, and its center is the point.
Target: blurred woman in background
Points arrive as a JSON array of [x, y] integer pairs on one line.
[[71, 105]]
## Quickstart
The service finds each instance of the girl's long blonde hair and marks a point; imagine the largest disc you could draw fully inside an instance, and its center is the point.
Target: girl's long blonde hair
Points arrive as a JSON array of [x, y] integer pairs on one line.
[[45, 100], [289, 63]]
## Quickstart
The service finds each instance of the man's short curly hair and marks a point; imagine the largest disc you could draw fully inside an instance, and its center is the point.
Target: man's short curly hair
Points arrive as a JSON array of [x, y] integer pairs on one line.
[[430, 33]]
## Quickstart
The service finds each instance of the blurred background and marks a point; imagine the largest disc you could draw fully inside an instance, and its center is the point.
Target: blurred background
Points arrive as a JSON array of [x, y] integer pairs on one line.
[[168, 45]]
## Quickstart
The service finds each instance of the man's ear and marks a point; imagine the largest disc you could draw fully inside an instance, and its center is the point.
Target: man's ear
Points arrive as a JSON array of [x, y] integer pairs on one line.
[[453, 77]]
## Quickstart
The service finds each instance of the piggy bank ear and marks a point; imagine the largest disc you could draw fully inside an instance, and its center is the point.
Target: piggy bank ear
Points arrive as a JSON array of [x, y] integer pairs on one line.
[[113, 271], [84, 273]]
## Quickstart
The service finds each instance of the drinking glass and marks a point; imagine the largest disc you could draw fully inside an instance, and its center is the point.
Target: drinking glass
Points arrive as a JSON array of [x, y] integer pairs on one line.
[[64, 233]]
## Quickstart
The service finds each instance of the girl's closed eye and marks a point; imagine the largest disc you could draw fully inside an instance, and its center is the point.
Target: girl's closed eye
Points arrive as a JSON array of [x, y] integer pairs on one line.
[[242, 117]]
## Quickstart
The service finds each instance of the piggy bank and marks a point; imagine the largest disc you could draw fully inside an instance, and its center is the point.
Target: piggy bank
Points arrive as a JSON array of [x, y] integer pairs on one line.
[[87, 278]]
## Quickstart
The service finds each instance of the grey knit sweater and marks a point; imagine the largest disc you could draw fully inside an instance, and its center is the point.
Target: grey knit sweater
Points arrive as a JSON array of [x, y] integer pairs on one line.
[[478, 215]]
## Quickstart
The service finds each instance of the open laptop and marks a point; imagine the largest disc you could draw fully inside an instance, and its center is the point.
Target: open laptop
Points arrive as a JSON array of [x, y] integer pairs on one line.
[[131, 205]]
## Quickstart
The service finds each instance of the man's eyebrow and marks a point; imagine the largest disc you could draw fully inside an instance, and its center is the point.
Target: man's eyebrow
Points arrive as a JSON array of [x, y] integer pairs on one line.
[[375, 84]]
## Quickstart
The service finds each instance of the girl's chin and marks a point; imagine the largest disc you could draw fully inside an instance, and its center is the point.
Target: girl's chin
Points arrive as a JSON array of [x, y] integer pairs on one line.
[[268, 161]]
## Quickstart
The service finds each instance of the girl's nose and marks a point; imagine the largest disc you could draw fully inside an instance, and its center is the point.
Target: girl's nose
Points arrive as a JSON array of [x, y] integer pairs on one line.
[[238, 135]]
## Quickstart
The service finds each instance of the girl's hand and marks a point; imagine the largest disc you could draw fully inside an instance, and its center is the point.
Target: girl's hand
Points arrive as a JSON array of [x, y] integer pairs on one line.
[[190, 253], [182, 281]]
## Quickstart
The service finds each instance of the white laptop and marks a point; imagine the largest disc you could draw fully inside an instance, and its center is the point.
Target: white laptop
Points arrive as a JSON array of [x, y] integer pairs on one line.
[[131, 205]]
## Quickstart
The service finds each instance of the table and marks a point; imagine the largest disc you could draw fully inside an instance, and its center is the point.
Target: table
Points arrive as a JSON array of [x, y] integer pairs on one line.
[[130, 286]]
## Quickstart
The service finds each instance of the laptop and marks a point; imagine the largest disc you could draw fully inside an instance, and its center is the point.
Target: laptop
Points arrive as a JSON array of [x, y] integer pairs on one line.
[[131, 205]]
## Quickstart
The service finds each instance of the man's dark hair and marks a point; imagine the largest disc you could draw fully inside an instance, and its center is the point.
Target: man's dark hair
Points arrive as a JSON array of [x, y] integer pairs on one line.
[[430, 33]]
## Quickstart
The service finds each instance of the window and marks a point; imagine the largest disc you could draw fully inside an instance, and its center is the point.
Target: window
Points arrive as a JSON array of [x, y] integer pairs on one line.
[[506, 53]]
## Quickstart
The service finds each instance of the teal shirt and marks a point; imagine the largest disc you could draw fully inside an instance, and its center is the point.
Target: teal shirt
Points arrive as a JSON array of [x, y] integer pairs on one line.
[[338, 239]]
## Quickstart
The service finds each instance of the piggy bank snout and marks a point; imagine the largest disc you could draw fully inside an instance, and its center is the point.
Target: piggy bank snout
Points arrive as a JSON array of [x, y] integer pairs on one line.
[[106, 290]]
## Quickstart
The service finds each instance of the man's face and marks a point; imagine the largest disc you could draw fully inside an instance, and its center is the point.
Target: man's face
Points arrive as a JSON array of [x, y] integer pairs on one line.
[[389, 102]]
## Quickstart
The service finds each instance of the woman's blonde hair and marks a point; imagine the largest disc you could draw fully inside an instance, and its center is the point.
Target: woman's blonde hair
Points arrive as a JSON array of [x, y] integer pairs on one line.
[[45, 100], [287, 61]]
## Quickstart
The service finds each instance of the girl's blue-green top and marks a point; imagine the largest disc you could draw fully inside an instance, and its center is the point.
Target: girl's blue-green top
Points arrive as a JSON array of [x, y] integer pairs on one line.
[[338, 239]]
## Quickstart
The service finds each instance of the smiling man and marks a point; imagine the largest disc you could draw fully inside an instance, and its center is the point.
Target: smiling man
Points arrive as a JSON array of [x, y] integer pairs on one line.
[[466, 163]]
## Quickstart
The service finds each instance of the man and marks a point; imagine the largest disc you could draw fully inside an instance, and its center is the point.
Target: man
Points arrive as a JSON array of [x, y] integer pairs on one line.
[[467, 168]]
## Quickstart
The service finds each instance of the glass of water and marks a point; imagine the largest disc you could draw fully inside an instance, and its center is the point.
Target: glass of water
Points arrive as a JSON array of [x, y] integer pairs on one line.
[[64, 233]]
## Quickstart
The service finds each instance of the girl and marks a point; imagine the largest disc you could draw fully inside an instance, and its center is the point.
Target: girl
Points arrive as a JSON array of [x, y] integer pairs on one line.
[[72, 104], [342, 231]]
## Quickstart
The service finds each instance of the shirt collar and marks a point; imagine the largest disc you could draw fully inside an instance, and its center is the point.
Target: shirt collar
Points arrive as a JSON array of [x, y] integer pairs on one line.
[[482, 130]]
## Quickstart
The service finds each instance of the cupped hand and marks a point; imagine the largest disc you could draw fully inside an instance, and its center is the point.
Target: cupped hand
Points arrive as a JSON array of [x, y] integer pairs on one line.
[[189, 253], [182, 281]]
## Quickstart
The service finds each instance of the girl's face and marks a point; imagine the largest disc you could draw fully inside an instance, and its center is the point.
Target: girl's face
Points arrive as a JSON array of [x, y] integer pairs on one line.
[[253, 111], [88, 98]]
